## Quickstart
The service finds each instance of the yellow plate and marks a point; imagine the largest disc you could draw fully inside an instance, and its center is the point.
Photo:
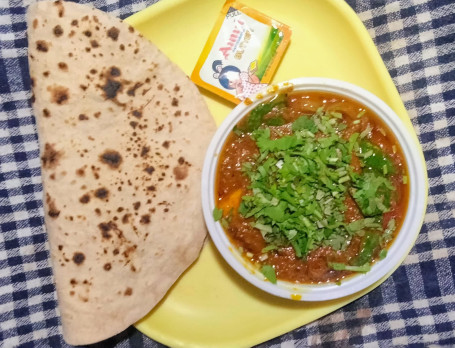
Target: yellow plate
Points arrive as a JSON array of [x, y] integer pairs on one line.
[[210, 305]]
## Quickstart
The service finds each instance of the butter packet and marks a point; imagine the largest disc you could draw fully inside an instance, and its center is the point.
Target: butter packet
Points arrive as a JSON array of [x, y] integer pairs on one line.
[[241, 53]]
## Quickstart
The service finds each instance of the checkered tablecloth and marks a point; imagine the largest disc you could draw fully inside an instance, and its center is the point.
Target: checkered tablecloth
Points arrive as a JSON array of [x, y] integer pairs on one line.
[[415, 306]]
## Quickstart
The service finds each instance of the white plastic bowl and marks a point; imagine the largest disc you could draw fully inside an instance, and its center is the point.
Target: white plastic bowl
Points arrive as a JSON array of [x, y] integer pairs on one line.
[[401, 245]]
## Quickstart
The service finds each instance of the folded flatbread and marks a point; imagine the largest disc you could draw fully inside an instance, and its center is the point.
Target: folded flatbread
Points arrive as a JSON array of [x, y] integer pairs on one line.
[[123, 133]]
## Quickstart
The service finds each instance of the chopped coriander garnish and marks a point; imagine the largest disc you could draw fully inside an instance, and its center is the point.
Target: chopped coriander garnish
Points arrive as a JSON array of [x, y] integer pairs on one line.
[[299, 184]]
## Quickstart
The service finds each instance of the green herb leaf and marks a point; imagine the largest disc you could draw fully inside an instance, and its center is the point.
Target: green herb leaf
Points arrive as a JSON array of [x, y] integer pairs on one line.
[[275, 121], [266, 144], [372, 193], [276, 213], [304, 122], [369, 246], [342, 267], [269, 272], [217, 214], [258, 113], [377, 160]]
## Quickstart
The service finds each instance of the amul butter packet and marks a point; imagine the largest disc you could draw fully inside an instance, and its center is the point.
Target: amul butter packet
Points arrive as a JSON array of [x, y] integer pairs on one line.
[[241, 53]]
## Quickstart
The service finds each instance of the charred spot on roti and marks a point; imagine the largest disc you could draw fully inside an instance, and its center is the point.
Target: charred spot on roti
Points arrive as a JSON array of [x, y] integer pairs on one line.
[[97, 114], [46, 73], [42, 46], [94, 44], [149, 170], [98, 211], [63, 66], [160, 86], [186, 113], [145, 219], [59, 94], [125, 218], [88, 33], [53, 212], [78, 258], [102, 193], [60, 247], [115, 251], [181, 160], [83, 117], [105, 228], [58, 31], [133, 124], [114, 71], [151, 188], [74, 22], [132, 91], [73, 281], [112, 158], [84, 199], [83, 87], [166, 144], [128, 292], [51, 156], [175, 102], [35, 23], [137, 113], [60, 8], [80, 171], [122, 47], [107, 266], [136, 205], [178, 113], [111, 88], [176, 88], [180, 172], [93, 71], [145, 150], [46, 113], [113, 33]]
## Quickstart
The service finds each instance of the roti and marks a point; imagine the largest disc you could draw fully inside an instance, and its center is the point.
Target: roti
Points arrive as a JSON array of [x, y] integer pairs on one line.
[[123, 133]]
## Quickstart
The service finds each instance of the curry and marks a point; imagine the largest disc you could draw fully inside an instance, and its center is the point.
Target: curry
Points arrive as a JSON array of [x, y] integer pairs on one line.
[[311, 187]]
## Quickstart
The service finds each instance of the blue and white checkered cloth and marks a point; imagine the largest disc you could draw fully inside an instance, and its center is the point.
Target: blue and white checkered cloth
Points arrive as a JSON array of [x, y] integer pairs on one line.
[[414, 307]]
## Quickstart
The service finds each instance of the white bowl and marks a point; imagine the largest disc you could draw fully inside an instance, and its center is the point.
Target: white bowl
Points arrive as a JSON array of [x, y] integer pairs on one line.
[[402, 243]]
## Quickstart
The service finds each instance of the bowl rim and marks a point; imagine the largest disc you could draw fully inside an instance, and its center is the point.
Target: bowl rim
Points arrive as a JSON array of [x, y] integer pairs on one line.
[[400, 246]]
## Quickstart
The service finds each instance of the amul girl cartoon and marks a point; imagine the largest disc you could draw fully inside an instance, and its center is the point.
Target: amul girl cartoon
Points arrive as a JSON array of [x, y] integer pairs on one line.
[[245, 83]]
